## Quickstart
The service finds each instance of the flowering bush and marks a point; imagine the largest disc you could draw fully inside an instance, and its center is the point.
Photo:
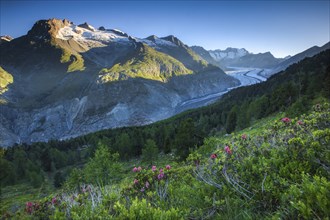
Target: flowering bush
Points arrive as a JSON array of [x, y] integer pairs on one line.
[[286, 120], [228, 150], [213, 156], [272, 169]]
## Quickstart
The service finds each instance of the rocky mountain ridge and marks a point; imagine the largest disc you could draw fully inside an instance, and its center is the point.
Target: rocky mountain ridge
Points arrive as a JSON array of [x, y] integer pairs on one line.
[[296, 58]]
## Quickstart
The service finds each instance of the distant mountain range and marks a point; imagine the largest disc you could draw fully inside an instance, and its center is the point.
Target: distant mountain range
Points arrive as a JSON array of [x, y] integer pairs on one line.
[[235, 57], [63, 80]]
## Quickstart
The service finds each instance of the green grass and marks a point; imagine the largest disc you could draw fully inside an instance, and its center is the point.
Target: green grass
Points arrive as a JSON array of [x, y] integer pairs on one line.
[[15, 197], [76, 61], [147, 64], [5, 79]]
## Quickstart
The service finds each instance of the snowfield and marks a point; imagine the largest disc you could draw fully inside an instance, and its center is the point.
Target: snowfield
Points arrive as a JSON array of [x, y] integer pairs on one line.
[[91, 34]]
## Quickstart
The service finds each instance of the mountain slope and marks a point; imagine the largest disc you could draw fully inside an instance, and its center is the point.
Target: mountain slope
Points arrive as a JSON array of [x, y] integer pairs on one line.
[[70, 80], [298, 57], [204, 54], [174, 47], [145, 63]]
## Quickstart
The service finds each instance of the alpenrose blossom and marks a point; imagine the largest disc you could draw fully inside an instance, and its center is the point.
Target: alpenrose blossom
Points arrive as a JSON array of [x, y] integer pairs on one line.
[[136, 181], [154, 168], [139, 169], [147, 184], [286, 120], [160, 176], [213, 156], [228, 150], [168, 167], [161, 170], [300, 122], [54, 200], [142, 189], [135, 169], [29, 207]]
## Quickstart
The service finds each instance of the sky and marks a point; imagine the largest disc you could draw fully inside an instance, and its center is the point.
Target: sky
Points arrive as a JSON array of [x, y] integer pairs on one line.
[[281, 27]]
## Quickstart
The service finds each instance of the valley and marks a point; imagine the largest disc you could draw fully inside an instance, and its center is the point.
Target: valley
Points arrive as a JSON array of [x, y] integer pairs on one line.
[[246, 77], [169, 110]]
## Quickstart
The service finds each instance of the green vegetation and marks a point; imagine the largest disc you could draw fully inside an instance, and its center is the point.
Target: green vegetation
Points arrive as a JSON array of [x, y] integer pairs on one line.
[[273, 164], [5, 79], [145, 63], [279, 169], [76, 61]]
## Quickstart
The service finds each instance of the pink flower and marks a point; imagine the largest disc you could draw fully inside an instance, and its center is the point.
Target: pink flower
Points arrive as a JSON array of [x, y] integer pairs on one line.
[[29, 207], [213, 156], [136, 181], [244, 136], [147, 184], [53, 200], [228, 150], [135, 169], [160, 176], [168, 167], [142, 189], [161, 170], [286, 120], [300, 122], [154, 168], [139, 169]]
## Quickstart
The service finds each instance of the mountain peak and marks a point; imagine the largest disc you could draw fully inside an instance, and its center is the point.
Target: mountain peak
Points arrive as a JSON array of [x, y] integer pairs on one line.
[[87, 26], [174, 40], [47, 28], [152, 38]]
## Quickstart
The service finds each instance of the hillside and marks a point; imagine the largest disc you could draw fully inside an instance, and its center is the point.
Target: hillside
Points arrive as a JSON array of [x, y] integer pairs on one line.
[[148, 64], [268, 171]]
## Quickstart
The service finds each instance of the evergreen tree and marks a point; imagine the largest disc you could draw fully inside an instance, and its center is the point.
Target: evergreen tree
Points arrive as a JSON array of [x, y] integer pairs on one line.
[[150, 151], [231, 120], [58, 179], [185, 138], [103, 167]]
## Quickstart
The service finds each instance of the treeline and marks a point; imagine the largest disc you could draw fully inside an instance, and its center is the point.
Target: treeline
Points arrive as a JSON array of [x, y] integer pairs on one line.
[[290, 91]]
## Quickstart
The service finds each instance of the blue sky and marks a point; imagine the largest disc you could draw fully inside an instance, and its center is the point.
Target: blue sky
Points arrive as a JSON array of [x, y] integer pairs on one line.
[[281, 27]]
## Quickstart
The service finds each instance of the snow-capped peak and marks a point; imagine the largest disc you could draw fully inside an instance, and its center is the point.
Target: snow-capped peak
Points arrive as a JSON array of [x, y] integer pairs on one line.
[[87, 26]]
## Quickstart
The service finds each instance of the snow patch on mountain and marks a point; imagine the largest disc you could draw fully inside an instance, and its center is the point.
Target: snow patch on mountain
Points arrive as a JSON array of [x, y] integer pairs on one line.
[[229, 53], [157, 43], [90, 34]]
